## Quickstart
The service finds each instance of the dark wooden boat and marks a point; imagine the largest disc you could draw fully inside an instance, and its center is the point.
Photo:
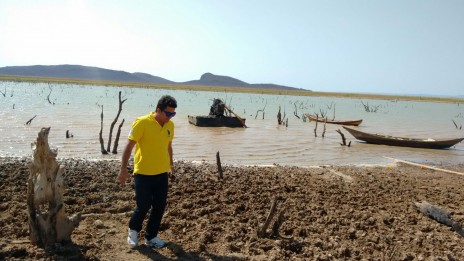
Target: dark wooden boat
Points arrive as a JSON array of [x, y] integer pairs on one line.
[[215, 121], [347, 122], [402, 141]]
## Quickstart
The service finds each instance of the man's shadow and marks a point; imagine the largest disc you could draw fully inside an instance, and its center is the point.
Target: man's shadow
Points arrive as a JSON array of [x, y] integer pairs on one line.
[[180, 254]]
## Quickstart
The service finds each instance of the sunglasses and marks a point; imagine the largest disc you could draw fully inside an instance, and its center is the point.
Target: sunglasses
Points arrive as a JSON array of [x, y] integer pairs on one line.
[[170, 114]]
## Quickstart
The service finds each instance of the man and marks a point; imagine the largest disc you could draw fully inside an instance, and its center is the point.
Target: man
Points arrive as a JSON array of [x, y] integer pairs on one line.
[[152, 136]]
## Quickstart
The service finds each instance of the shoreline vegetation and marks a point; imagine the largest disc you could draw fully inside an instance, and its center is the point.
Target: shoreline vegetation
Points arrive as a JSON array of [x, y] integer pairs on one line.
[[296, 92]]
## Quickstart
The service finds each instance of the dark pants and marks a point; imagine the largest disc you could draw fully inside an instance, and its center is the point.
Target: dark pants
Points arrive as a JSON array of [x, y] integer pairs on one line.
[[150, 191]]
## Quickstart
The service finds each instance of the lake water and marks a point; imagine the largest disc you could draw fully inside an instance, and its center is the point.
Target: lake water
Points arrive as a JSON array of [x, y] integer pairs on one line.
[[77, 108]]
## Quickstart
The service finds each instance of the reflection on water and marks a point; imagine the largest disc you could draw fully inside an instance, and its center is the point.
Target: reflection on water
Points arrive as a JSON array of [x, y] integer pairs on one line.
[[78, 108]]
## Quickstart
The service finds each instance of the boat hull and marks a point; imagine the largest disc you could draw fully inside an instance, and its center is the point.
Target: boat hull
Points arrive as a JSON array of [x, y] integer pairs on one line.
[[347, 122], [402, 141], [215, 121]]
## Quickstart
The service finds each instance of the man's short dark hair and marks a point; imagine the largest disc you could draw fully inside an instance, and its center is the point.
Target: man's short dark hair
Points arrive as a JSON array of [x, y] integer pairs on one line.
[[166, 101]]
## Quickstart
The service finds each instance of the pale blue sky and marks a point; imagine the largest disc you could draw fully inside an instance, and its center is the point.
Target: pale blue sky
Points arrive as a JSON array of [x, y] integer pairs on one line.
[[359, 46]]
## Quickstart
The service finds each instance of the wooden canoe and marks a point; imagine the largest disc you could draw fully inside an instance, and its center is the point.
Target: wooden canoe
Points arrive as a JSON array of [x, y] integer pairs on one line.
[[402, 141], [216, 121], [347, 122]]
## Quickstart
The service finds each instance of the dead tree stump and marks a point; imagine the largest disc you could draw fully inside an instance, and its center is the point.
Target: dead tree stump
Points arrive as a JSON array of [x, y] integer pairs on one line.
[[48, 223], [219, 166], [272, 211]]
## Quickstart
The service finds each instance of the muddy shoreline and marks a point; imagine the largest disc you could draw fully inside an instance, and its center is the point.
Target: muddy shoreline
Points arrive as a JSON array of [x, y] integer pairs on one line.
[[329, 213]]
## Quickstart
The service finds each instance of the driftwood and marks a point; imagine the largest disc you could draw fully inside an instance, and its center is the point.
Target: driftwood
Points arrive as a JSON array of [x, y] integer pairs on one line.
[[425, 166], [439, 215], [30, 120], [108, 148], [219, 166], [48, 223]]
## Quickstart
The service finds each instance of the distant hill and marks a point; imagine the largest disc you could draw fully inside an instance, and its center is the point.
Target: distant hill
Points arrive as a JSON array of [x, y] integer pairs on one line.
[[210, 79], [80, 72], [94, 73]]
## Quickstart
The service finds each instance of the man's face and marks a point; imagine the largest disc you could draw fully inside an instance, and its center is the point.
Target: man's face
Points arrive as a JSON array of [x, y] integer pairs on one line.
[[167, 114]]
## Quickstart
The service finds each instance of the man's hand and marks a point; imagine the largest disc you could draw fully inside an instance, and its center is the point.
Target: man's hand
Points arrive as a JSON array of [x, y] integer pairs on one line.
[[171, 174], [123, 175]]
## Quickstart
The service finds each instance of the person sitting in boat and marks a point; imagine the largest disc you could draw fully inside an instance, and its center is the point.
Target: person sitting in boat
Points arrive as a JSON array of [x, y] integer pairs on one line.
[[217, 109]]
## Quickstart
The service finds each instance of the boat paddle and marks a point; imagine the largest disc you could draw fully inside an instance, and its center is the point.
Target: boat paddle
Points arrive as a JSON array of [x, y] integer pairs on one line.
[[238, 117]]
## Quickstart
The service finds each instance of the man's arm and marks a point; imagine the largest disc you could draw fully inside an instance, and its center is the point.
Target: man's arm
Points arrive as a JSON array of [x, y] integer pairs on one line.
[[123, 173], [171, 162]]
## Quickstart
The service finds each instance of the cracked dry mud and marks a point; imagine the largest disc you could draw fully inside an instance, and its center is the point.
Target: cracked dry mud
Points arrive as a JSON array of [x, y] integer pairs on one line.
[[330, 213]]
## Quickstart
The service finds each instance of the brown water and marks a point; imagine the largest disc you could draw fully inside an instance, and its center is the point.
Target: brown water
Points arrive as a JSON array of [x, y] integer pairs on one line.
[[78, 108]]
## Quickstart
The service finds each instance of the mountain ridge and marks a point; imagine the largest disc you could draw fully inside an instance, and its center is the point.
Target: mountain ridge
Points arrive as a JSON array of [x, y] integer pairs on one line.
[[82, 72]]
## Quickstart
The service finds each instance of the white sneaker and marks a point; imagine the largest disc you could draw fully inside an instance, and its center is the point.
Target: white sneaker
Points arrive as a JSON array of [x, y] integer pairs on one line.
[[133, 238], [155, 242]]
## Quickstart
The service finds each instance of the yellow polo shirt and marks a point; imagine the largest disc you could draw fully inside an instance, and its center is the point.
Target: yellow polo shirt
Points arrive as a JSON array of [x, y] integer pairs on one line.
[[151, 150]]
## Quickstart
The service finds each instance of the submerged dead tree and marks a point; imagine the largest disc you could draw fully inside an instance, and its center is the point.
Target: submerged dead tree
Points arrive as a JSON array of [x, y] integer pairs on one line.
[[370, 108], [315, 127], [108, 148], [325, 124], [30, 120], [48, 97], [280, 119], [343, 138], [296, 111], [48, 223], [262, 110], [68, 134], [460, 127], [116, 140], [100, 135]]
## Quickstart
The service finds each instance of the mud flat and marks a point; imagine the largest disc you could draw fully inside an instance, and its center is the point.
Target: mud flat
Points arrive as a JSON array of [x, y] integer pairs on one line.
[[328, 213]]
